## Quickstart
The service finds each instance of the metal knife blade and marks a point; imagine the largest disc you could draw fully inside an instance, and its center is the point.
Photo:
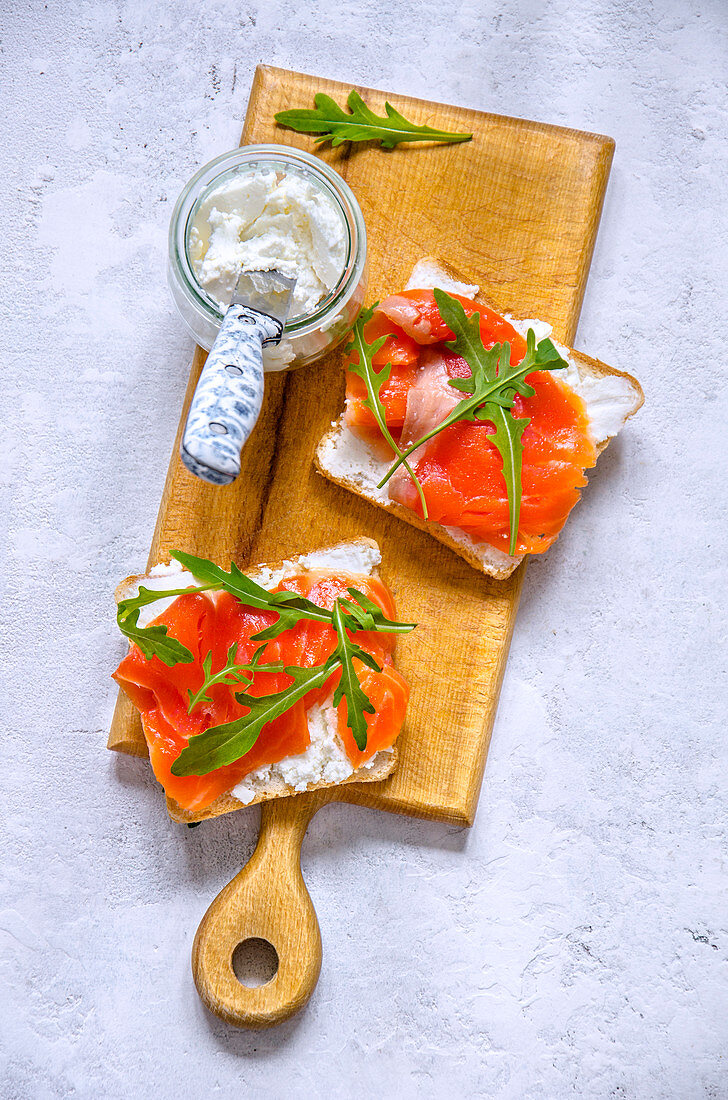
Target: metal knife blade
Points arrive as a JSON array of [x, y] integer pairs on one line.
[[267, 292]]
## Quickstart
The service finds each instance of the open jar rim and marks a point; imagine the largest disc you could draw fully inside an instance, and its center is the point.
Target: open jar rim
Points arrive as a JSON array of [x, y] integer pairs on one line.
[[282, 158]]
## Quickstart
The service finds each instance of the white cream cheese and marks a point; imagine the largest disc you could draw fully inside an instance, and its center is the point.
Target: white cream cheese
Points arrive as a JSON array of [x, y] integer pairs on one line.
[[609, 398], [354, 558], [324, 761], [163, 578], [263, 221]]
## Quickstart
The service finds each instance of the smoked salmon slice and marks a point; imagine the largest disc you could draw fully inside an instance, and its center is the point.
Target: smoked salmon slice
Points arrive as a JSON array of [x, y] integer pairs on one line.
[[209, 623], [460, 471], [415, 312]]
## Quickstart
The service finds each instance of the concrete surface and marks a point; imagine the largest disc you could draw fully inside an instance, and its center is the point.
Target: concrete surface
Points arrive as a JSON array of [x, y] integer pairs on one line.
[[575, 942]]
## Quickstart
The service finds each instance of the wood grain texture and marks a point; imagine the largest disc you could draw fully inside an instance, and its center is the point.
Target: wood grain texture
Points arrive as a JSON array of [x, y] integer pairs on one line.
[[515, 211], [268, 900]]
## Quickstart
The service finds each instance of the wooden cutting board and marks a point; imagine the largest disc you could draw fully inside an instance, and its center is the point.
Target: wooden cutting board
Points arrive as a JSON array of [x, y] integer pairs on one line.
[[516, 211]]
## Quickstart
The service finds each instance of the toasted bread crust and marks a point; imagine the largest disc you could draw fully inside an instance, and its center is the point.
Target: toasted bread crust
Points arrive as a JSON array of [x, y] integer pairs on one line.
[[483, 558], [378, 768]]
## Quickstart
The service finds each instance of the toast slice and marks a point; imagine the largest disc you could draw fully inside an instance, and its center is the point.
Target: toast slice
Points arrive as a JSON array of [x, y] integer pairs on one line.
[[611, 397], [324, 764]]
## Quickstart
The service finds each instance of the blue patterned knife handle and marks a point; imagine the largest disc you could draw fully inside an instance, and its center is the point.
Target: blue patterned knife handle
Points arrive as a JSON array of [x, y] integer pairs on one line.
[[229, 394]]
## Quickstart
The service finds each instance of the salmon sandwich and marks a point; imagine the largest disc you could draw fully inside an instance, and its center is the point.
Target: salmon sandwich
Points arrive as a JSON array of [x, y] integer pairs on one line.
[[471, 425], [266, 683]]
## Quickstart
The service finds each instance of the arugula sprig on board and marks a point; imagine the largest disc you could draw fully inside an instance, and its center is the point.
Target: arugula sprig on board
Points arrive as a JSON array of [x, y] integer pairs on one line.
[[491, 392], [374, 379], [332, 123]]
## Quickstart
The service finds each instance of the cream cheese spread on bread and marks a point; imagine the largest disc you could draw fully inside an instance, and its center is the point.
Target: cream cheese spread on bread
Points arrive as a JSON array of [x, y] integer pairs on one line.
[[609, 398]]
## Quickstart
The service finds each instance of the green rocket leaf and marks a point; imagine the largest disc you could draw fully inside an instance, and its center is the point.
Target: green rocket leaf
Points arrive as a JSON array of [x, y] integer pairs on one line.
[[490, 393], [226, 743], [373, 379], [332, 123], [349, 688], [154, 641]]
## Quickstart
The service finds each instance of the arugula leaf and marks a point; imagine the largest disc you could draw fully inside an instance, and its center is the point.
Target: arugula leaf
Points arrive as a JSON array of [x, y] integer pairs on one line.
[[374, 380], [491, 391], [222, 677], [349, 688], [226, 743], [507, 439], [151, 595], [154, 641], [369, 615], [289, 606], [336, 125], [230, 674]]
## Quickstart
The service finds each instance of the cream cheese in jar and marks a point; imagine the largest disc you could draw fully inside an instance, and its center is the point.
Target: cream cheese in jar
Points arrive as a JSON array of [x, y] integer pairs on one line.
[[270, 207], [261, 222]]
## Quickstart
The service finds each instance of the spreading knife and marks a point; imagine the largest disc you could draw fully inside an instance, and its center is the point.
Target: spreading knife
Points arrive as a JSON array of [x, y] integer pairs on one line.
[[229, 394]]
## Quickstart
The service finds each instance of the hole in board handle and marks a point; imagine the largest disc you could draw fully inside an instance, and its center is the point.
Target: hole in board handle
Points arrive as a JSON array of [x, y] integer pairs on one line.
[[255, 962], [217, 428]]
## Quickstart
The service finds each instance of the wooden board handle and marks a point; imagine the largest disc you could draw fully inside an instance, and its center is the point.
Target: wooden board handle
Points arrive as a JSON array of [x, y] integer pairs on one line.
[[267, 900]]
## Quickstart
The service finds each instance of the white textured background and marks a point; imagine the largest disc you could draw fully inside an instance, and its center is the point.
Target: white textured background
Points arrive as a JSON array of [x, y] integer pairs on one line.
[[575, 941]]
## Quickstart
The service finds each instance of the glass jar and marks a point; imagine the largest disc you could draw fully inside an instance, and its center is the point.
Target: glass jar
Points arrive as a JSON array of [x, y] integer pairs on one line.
[[308, 336]]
